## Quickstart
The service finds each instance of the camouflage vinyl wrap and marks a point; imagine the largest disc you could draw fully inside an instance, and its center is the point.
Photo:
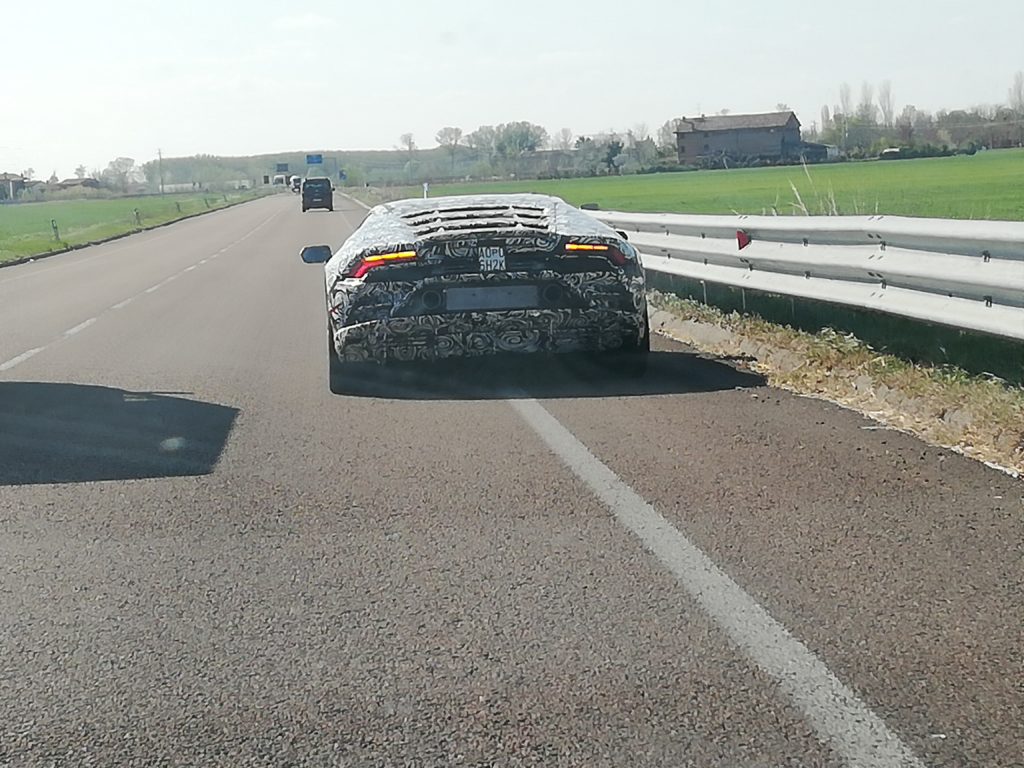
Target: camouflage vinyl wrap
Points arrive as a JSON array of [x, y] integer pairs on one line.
[[377, 319]]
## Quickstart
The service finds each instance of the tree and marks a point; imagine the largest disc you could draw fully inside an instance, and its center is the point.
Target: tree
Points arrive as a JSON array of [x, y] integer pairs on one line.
[[80, 171], [906, 123], [563, 139], [1017, 93], [449, 138], [483, 139], [640, 132], [826, 119], [885, 103], [53, 178], [28, 173], [119, 172], [845, 100], [513, 140], [782, 107], [867, 112], [612, 151], [407, 142], [667, 134]]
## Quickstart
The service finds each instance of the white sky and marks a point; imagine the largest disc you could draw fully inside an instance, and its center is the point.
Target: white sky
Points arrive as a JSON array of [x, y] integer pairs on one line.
[[84, 81]]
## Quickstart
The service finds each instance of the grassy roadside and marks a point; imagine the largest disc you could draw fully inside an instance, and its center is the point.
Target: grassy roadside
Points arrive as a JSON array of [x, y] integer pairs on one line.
[[25, 228], [979, 416], [984, 186]]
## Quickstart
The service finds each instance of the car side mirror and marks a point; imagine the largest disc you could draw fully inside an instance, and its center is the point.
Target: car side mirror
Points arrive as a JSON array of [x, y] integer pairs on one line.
[[622, 234], [316, 254]]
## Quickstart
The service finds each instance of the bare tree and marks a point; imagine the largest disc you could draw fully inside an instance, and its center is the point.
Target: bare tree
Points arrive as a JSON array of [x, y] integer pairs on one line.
[[867, 112], [845, 100], [667, 134], [28, 173], [53, 178], [724, 112], [1017, 93], [826, 118], [80, 171], [782, 107], [407, 142], [563, 139], [885, 103], [641, 132], [449, 138]]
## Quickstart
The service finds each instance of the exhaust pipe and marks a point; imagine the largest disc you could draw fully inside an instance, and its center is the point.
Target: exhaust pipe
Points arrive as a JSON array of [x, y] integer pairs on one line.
[[552, 293], [431, 299]]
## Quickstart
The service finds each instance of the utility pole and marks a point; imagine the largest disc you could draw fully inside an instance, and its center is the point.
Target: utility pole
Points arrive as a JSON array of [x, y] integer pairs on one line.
[[160, 165]]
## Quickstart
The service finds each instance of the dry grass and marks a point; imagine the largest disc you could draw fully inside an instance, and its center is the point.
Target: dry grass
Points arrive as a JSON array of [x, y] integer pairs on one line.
[[979, 416]]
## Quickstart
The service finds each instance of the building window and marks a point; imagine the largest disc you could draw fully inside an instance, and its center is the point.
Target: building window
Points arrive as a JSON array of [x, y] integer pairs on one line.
[[682, 148], [707, 135], [706, 147]]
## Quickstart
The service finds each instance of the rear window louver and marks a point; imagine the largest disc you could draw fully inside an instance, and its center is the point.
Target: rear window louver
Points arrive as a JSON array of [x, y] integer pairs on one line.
[[478, 218]]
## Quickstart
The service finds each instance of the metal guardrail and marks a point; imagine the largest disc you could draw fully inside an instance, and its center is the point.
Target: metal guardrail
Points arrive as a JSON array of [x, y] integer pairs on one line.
[[962, 274]]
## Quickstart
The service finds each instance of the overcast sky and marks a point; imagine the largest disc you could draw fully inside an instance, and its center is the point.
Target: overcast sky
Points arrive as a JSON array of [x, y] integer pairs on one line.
[[83, 81]]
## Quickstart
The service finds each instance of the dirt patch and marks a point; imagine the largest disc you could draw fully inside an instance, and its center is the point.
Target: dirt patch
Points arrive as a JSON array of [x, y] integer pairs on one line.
[[979, 416]]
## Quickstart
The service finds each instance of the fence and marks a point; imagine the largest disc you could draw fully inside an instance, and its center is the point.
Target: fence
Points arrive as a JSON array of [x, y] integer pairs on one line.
[[962, 274]]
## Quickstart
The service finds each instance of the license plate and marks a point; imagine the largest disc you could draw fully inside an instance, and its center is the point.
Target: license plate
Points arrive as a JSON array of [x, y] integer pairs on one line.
[[492, 297], [492, 259]]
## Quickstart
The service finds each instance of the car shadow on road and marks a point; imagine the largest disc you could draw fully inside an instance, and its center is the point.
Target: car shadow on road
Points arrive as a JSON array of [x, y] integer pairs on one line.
[[74, 433], [545, 377]]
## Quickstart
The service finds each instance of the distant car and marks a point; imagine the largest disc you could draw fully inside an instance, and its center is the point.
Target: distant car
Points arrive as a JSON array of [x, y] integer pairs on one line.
[[482, 275], [317, 192], [295, 182]]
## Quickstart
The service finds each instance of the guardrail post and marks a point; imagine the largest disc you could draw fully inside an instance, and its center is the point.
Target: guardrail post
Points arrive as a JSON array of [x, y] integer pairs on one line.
[[178, 206], [56, 232], [225, 198], [206, 200], [138, 218]]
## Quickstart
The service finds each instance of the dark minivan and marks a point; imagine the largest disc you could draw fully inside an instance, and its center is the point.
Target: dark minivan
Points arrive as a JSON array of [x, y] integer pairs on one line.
[[317, 193]]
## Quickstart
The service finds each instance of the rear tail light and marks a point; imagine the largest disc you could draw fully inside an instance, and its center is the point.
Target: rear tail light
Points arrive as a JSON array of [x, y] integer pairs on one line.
[[382, 260], [615, 256]]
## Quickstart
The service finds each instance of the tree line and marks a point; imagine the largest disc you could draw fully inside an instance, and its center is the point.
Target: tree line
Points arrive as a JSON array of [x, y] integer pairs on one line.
[[864, 127], [860, 127]]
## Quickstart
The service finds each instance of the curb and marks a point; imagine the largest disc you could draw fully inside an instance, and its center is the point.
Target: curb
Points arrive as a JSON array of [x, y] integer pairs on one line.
[[111, 238]]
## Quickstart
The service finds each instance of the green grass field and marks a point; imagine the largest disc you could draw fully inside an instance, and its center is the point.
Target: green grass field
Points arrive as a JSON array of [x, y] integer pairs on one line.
[[989, 185], [25, 227]]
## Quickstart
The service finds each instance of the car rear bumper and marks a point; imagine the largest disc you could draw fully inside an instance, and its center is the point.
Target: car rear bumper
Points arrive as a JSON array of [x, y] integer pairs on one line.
[[472, 334]]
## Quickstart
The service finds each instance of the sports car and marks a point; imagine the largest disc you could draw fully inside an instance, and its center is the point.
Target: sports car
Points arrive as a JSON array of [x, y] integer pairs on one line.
[[477, 275]]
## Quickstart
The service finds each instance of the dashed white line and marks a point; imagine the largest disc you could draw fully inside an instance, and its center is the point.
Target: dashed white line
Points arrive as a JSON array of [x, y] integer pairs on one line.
[[123, 304], [20, 358], [153, 288], [835, 712], [80, 327], [201, 261], [188, 269]]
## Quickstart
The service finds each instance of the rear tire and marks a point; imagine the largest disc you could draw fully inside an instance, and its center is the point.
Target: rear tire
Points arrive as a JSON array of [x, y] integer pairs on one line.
[[336, 373], [631, 361]]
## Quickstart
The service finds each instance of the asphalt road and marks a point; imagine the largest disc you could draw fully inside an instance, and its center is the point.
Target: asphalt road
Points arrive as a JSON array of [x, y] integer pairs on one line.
[[207, 559]]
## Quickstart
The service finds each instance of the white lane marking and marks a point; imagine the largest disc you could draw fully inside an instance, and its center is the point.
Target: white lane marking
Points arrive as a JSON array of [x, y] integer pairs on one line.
[[20, 358], [188, 269], [356, 201], [80, 327], [841, 719], [201, 262], [153, 288], [123, 304]]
